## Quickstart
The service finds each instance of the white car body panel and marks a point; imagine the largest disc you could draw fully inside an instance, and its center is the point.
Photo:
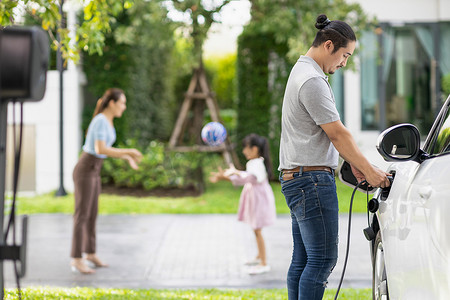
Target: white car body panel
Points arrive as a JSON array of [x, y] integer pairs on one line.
[[415, 228]]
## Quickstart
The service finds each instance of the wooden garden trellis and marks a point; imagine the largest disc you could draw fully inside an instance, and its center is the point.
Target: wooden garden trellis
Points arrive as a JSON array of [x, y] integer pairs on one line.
[[197, 95]]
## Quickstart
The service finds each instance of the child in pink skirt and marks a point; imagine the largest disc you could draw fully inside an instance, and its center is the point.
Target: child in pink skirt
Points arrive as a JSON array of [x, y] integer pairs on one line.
[[257, 202]]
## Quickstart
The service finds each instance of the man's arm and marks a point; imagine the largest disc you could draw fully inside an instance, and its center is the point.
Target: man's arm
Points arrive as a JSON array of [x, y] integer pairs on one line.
[[345, 144]]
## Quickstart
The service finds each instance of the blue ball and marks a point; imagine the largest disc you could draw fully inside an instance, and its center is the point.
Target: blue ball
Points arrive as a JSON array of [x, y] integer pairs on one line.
[[214, 134]]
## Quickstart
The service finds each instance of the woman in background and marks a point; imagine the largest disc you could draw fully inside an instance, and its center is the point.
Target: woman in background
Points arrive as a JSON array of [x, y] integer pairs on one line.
[[86, 176]]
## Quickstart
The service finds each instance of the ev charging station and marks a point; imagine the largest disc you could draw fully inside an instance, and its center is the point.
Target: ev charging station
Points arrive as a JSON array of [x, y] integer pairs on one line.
[[24, 59]]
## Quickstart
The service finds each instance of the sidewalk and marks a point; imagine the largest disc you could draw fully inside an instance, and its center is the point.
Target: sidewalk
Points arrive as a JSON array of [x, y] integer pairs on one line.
[[177, 251]]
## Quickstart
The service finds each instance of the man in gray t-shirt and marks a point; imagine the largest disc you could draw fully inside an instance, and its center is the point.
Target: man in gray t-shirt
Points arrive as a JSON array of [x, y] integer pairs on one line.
[[308, 103], [312, 138]]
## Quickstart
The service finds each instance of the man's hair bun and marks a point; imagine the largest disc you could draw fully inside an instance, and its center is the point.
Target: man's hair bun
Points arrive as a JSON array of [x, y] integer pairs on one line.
[[322, 21]]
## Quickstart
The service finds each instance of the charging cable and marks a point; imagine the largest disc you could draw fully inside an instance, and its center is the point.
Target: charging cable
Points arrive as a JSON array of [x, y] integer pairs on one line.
[[348, 236], [11, 224]]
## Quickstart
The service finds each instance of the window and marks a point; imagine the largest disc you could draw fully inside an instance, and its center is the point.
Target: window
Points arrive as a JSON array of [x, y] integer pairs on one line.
[[337, 85], [408, 93], [398, 74], [370, 117]]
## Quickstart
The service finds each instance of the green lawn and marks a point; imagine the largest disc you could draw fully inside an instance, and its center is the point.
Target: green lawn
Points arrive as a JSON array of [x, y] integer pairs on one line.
[[126, 294], [221, 197]]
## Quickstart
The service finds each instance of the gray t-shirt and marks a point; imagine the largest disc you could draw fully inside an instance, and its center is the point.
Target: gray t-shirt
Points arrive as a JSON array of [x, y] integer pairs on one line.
[[308, 102]]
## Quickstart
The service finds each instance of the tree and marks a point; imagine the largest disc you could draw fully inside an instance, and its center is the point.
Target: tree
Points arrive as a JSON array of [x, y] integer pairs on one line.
[[137, 57], [151, 37], [292, 22], [222, 73], [98, 15], [201, 16]]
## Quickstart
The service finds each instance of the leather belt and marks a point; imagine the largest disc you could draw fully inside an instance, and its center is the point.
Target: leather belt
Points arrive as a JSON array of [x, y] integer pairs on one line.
[[288, 174]]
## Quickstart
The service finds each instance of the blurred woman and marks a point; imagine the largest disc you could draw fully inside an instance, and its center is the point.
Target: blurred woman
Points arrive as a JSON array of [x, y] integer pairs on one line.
[[86, 176]]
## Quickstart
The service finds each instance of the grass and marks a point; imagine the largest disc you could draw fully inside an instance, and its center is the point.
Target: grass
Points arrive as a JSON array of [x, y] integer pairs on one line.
[[126, 294], [219, 198]]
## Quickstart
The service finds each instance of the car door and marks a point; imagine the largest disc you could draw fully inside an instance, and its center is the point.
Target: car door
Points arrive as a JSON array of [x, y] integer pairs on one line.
[[415, 220]]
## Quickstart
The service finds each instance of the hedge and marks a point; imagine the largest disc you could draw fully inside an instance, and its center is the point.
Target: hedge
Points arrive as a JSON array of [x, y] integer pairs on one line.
[[262, 75]]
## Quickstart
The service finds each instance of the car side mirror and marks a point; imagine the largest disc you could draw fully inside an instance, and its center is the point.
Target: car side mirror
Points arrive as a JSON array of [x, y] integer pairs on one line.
[[400, 143]]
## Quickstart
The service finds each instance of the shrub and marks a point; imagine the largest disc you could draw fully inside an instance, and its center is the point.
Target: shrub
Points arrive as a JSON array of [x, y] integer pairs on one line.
[[159, 168], [446, 84]]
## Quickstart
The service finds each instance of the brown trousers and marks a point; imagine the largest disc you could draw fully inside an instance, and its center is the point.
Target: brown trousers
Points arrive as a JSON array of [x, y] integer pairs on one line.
[[86, 177]]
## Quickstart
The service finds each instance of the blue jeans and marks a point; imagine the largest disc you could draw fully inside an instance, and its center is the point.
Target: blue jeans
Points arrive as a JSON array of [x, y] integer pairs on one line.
[[312, 200]]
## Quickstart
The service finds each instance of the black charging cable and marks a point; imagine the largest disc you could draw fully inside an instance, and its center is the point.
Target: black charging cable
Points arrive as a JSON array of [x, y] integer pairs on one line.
[[348, 235], [12, 215]]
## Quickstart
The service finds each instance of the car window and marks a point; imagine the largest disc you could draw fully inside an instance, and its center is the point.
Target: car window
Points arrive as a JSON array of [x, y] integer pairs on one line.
[[442, 141]]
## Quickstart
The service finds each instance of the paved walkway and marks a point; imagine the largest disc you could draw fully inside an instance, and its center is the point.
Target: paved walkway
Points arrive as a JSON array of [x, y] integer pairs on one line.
[[177, 251]]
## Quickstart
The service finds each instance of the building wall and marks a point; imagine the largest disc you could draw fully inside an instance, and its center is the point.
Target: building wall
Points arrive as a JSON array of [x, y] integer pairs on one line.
[[399, 11], [43, 117]]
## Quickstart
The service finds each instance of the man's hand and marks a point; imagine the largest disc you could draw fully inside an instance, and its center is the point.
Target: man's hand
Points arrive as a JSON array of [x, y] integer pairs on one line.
[[375, 178], [358, 174]]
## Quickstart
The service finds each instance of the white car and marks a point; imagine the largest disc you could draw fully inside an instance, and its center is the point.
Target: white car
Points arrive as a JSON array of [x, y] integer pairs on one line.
[[410, 221]]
